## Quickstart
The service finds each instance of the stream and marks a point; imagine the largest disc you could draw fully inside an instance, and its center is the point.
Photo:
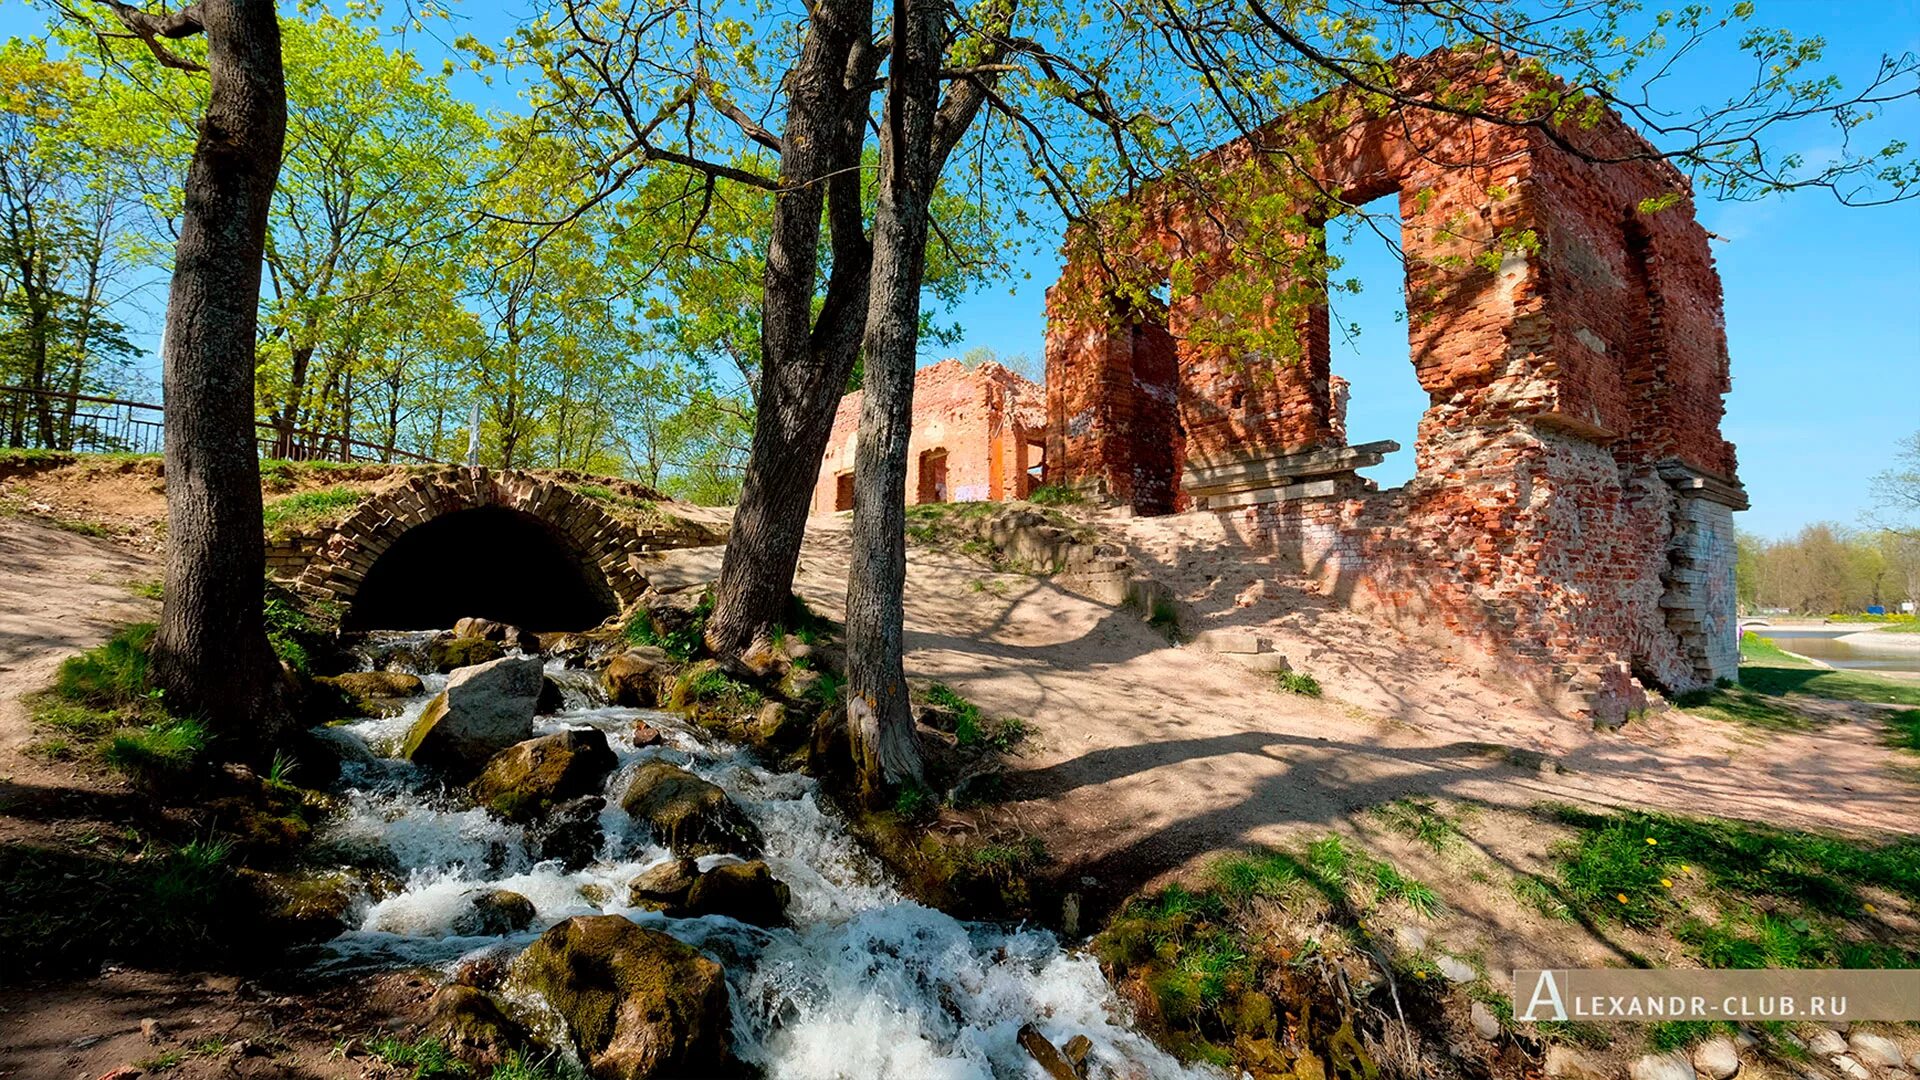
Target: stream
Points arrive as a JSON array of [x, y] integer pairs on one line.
[[867, 983]]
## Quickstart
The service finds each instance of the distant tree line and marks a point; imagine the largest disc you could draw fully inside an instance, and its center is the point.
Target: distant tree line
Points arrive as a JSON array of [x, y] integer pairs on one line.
[[422, 256], [1828, 569]]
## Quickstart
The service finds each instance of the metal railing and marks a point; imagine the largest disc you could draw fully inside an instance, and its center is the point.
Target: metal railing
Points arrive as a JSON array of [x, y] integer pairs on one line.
[[83, 423]]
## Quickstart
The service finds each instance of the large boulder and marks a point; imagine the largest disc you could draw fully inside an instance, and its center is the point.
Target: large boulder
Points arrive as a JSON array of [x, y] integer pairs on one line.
[[450, 652], [528, 778], [637, 1004], [372, 693], [688, 814], [745, 891], [484, 709], [634, 677]]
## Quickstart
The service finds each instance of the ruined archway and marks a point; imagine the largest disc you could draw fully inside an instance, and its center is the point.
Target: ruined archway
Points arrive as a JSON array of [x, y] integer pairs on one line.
[[520, 547], [490, 562]]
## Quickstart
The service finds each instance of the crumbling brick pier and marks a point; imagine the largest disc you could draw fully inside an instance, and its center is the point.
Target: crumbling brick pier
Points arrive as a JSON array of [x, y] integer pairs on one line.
[[1573, 499]]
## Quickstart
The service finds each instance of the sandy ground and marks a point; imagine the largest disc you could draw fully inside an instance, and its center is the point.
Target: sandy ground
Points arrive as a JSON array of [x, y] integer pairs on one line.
[[1149, 757]]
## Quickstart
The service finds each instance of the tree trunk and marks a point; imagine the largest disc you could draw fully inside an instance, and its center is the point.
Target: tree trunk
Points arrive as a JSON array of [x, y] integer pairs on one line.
[[886, 752], [211, 654], [804, 361]]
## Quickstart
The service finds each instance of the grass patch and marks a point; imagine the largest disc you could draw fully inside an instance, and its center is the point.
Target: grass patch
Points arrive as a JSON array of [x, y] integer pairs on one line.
[[681, 634], [1297, 682], [971, 727], [298, 512], [705, 685], [430, 1059], [1056, 495], [603, 494], [1419, 820], [159, 751], [1739, 895], [148, 590], [1770, 678], [1276, 921]]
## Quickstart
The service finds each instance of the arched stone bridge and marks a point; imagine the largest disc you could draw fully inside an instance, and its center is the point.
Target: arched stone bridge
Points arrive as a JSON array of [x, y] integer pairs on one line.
[[531, 548]]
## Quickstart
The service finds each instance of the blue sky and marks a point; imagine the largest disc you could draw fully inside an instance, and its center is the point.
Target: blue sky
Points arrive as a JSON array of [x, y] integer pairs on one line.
[[1822, 301]]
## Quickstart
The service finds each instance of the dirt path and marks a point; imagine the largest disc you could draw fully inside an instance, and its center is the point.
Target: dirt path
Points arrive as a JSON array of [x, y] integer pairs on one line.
[[60, 592], [1150, 757]]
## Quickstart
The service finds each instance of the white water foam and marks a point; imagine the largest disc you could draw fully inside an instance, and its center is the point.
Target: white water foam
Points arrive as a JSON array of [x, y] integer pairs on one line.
[[866, 983]]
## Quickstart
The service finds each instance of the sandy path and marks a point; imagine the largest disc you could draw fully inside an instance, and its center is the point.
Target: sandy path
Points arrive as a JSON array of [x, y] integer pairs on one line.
[[60, 592], [1149, 757]]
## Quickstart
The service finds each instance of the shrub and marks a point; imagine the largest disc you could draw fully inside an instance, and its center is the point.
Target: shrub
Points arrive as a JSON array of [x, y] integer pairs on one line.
[[1056, 495], [1298, 682]]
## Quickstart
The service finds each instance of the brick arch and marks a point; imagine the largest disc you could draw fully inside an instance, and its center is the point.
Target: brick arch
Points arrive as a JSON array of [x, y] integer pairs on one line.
[[340, 566]]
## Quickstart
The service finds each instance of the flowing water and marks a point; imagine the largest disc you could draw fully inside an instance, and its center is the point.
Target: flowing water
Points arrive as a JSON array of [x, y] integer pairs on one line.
[[866, 984]]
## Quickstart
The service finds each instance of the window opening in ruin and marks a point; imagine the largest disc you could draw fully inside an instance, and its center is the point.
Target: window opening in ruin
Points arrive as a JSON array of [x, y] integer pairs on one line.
[[933, 476], [1369, 355], [1156, 440], [843, 491]]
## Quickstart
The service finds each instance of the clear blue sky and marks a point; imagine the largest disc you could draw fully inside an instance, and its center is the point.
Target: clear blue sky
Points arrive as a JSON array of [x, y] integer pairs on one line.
[[1822, 301]]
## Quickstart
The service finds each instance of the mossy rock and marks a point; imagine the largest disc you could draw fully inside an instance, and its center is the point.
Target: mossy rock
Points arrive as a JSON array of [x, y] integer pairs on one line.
[[494, 913], [370, 693], [664, 888], [472, 1025], [690, 815], [299, 908], [484, 709], [637, 1004], [633, 678], [747, 892], [528, 778], [450, 653]]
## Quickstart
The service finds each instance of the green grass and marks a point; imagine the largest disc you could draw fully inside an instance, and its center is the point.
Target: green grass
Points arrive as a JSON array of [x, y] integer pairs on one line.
[[109, 675], [1770, 678], [159, 751], [973, 728], [148, 590], [1419, 820], [1297, 682], [711, 687], [1737, 894], [1056, 495], [430, 1059], [292, 513], [1251, 925], [605, 494], [519, 1066], [682, 642]]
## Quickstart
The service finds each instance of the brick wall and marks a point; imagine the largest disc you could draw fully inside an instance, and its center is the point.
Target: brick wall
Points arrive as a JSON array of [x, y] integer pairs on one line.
[[1573, 497], [977, 430]]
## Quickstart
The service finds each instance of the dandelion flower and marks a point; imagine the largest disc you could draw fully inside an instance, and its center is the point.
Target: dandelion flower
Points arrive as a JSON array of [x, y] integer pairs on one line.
[[1622, 897], [1668, 882], [1651, 841], [1685, 869], [1871, 909]]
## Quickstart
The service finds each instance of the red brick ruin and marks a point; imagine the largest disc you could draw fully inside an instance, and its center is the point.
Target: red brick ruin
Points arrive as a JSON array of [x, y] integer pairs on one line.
[[978, 434], [1572, 504]]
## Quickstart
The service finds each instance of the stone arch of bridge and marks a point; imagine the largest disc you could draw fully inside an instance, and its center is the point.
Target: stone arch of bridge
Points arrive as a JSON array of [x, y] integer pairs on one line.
[[524, 548]]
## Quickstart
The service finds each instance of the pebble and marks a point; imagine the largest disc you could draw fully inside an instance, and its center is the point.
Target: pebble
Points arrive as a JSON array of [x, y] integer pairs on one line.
[[1410, 938], [1717, 1059], [1827, 1043], [1670, 1066], [1564, 1063], [1484, 1022], [1454, 969], [1876, 1050], [1852, 1068]]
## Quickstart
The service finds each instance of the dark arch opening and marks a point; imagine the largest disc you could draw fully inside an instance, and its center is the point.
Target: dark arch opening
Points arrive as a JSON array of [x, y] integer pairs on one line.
[[489, 562]]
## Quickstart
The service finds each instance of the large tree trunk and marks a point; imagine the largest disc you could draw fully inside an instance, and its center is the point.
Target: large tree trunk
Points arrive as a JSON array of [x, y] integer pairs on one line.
[[880, 718], [211, 654], [804, 361]]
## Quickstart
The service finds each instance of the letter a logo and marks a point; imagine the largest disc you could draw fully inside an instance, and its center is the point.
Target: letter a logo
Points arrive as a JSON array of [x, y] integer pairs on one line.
[[1545, 992]]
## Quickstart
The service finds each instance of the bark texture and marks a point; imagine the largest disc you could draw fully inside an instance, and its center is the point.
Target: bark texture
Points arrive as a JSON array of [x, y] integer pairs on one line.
[[211, 654], [805, 360], [886, 751]]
